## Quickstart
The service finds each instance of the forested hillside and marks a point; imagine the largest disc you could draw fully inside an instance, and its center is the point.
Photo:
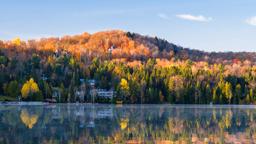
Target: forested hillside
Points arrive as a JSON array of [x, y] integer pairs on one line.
[[141, 69]]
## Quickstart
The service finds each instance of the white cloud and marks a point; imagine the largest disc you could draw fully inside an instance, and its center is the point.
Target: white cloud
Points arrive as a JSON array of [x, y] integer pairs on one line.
[[199, 18], [251, 21], [163, 16]]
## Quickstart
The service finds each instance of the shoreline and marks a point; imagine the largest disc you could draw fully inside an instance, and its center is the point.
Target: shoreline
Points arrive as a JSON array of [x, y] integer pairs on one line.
[[212, 106]]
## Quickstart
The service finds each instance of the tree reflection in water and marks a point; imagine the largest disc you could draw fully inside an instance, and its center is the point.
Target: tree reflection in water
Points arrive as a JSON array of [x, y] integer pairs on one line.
[[77, 123], [27, 119]]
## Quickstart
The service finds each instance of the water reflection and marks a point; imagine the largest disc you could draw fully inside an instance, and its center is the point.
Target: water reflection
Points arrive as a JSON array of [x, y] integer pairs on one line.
[[75, 123], [27, 119]]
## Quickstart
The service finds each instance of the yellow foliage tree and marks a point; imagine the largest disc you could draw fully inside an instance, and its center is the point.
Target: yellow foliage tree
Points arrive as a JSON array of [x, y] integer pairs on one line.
[[72, 62], [34, 87], [29, 87], [124, 85], [16, 41], [25, 90]]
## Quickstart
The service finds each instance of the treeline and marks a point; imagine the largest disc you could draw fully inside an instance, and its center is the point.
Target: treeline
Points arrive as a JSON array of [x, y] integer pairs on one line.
[[149, 81], [140, 69], [161, 48]]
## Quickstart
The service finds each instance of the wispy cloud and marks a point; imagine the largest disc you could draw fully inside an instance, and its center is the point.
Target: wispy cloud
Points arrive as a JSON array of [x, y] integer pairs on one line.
[[199, 18], [163, 16], [251, 21]]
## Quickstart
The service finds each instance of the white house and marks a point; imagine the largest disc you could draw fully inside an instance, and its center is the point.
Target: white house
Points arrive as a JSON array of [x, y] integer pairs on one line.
[[102, 93], [91, 82]]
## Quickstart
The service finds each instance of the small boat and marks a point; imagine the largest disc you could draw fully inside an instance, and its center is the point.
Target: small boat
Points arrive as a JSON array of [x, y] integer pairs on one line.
[[50, 100]]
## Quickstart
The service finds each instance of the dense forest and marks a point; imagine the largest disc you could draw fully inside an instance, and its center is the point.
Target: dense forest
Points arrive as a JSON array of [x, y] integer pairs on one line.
[[140, 69]]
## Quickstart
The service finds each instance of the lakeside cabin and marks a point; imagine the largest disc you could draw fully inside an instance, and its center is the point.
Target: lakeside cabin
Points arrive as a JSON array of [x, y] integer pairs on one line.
[[99, 93], [102, 93], [80, 92], [91, 82], [107, 94]]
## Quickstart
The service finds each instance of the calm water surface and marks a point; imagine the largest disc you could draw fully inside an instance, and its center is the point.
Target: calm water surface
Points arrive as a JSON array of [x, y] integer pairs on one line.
[[86, 123]]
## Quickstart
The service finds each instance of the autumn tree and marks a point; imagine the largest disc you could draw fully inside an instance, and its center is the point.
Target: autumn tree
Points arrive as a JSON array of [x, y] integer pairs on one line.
[[228, 92], [30, 90], [124, 88], [16, 41], [175, 86]]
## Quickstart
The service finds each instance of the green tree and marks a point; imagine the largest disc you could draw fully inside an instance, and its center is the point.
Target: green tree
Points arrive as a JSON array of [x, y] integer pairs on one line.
[[3, 60], [35, 61], [47, 90], [12, 89], [238, 94]]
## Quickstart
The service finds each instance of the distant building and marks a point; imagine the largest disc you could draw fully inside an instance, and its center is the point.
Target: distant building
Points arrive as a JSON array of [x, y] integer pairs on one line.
[[57, 53], [99, 93], [91, 82], [102, 93], [82, 81], [44, 78], [111, 49]]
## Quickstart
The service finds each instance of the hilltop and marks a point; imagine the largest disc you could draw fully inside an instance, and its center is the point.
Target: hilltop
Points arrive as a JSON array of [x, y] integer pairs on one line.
[[120, 44]]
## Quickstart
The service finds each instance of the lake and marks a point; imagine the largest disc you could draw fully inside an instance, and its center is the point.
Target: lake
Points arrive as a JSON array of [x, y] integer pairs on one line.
[[163, 124]]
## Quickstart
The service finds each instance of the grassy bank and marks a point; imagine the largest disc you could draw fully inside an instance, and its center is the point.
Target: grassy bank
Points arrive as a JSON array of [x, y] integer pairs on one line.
[[6, 98]]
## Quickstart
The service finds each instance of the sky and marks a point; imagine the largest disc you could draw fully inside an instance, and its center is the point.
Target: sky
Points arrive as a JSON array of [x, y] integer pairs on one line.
[[209, 25]]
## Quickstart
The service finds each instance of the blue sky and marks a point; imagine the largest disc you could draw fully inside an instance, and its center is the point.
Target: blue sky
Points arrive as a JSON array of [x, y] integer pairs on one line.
[[209, 25]]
